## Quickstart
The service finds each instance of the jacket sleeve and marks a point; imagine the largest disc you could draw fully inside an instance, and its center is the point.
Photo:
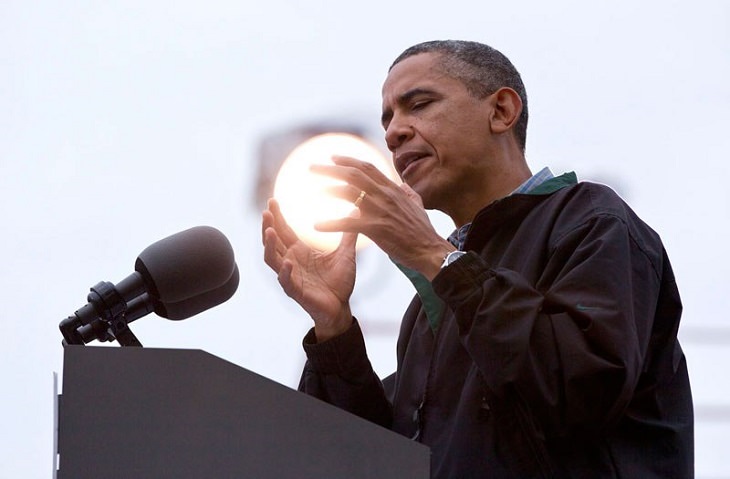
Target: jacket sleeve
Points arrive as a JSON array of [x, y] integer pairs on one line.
[[339, 372], [568, 348]]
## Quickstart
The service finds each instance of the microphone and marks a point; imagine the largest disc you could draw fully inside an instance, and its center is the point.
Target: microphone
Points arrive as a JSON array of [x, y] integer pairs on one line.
[[176, 277], [186, 264], [197, 304]]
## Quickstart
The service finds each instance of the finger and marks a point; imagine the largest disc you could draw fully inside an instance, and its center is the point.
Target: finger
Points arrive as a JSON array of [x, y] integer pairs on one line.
[[348, 241], [267, 221], [349, 238], [366, 168], [285, 278], [274, 250], [348, 193], [349, 224], [362, 175], [287, 235], [345, 174], [345, 225]]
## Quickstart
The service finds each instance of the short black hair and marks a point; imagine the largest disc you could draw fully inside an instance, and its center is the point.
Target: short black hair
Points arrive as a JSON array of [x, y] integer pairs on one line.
[[481, 68]]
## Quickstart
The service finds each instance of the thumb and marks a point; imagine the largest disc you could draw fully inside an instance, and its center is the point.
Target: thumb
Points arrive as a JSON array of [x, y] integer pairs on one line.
[[348, 241], [349, 238]]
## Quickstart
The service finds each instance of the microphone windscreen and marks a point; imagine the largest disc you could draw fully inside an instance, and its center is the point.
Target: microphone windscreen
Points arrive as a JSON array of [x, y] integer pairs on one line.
[[186, 264], [197, 304]]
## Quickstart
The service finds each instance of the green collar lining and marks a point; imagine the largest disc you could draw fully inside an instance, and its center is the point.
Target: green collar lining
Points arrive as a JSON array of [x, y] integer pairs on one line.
[[554, 184]]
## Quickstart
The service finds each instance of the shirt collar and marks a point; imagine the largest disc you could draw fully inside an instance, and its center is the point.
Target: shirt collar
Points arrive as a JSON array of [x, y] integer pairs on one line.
[[534, 181]]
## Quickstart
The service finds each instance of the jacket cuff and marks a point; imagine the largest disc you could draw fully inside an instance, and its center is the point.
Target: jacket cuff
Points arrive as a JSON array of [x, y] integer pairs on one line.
[[338, 355], [457, 281]]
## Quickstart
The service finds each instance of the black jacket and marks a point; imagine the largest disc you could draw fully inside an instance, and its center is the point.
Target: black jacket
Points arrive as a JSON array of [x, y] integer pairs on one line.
[[556, 355]]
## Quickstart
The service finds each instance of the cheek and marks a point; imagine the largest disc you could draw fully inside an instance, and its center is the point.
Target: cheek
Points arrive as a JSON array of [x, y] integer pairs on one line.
[[438, 133]]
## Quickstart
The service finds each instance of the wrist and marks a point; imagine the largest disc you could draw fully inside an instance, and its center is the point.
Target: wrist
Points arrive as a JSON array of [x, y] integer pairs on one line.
[[325, 330], [436, 261], [444, 261]]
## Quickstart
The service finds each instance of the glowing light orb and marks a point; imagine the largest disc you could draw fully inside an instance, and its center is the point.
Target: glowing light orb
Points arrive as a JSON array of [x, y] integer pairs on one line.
[[302, 194]]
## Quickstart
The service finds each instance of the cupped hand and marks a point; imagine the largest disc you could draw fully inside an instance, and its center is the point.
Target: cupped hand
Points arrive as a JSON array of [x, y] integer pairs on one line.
[[321, 282]]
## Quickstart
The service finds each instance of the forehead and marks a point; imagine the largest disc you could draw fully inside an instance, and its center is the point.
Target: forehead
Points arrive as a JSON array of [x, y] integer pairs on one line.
[[423, 70]]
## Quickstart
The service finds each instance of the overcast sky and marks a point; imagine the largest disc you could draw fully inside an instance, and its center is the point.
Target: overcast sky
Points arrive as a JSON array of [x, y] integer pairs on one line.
[[122, 122]]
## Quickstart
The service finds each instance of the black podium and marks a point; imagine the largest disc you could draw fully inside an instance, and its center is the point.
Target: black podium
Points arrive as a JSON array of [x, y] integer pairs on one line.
[[166, 413]]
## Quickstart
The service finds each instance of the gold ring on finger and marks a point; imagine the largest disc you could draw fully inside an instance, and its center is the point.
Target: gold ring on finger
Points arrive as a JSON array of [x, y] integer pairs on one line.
[[359, 199]]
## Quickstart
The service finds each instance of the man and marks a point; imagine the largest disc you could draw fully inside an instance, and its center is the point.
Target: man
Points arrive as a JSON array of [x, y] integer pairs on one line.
[[542, 341]]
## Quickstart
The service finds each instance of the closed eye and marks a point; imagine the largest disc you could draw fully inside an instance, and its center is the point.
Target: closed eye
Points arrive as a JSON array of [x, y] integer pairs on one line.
[[419, 105]]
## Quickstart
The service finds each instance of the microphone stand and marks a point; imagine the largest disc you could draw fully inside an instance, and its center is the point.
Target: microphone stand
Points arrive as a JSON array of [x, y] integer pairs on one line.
[[106, 317]]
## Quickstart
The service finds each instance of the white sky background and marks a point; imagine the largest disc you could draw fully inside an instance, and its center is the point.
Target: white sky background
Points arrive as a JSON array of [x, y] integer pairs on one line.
[[123, 122]]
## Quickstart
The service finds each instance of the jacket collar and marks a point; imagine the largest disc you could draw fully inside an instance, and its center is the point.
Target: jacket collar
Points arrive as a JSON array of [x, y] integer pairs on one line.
[[512, 208]]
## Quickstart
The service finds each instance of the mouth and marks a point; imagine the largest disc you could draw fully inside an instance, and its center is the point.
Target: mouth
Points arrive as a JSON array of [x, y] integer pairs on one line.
[[405, 161]]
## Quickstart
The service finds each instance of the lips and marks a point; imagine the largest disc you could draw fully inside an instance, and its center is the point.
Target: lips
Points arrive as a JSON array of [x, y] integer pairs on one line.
[[403, 161]]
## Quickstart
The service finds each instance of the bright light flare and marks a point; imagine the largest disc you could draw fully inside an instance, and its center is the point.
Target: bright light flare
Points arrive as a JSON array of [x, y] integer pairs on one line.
[[302, 194]]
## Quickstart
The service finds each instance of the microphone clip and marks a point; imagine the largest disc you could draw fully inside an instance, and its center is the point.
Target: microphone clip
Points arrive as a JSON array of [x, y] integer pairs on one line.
[[104, 318]]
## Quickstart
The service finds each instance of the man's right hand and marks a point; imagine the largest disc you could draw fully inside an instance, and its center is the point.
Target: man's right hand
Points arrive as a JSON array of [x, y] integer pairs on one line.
[[320, 282]]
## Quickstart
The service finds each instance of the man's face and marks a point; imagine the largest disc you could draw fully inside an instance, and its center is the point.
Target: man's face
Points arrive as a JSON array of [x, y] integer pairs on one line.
[[438, 132]]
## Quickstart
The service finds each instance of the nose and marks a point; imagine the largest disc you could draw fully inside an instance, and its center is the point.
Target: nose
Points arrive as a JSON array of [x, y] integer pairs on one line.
[[397, 133]]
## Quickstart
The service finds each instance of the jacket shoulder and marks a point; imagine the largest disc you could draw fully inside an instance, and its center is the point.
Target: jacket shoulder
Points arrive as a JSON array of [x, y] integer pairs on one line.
[[586, 204]]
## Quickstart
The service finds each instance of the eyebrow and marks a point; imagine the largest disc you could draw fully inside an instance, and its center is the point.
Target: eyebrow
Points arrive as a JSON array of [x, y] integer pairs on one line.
[[403, 99]]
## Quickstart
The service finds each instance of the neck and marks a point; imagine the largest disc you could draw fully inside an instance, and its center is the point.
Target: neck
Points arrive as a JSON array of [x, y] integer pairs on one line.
[[497, 185]]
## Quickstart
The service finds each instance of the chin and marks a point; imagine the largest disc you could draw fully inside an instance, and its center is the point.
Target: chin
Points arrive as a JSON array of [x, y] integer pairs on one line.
[[427, 199]]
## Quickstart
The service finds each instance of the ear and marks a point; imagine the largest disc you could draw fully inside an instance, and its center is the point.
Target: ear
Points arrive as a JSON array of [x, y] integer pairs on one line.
[[507, 108]]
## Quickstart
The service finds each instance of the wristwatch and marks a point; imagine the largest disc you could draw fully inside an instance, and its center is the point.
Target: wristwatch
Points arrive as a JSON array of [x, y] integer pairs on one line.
[[451, 257]]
